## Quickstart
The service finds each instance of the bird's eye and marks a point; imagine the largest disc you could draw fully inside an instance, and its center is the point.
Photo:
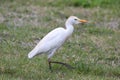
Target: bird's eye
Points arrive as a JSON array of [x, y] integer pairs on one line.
[[75, 19]]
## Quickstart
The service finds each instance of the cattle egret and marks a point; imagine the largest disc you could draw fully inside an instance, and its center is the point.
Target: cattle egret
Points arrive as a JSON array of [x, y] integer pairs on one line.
[[54, 40]]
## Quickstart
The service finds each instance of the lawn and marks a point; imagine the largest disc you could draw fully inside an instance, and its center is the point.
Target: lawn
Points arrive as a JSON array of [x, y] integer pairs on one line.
[[93, 49]]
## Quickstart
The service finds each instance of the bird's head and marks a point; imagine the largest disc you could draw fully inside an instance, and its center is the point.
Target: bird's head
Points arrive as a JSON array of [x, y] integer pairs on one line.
[[75, 20]]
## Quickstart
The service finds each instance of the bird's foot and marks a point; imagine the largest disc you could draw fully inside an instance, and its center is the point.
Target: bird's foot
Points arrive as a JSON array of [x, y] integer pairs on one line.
[[64, 64]]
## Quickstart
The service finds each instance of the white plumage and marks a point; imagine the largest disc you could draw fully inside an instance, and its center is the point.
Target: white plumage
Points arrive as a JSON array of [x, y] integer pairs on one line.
[[51, 42], [54, 39]]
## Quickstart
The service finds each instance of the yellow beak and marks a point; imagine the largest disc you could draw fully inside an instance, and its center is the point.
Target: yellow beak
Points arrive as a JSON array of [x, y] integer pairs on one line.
[[83, 21]]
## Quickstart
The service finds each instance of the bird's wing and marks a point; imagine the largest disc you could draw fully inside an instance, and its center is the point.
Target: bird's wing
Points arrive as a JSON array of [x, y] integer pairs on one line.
[[52, 40], [53, 34]]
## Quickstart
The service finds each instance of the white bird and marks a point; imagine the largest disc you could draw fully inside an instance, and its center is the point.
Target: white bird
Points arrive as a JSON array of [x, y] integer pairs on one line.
[[54, 40]]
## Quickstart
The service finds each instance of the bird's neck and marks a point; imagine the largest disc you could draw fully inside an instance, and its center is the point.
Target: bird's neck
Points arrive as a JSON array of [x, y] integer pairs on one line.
[[69, 28]]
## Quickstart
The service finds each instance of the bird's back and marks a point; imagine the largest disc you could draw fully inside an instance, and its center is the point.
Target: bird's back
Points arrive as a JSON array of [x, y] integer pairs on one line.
[[53, 39]]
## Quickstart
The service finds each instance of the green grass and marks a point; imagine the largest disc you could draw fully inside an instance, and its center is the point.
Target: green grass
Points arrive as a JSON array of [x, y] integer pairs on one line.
[[93, 49], [62, 3]]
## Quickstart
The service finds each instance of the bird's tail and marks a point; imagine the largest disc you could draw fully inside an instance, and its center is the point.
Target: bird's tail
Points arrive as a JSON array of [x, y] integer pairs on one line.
[[32, 53]]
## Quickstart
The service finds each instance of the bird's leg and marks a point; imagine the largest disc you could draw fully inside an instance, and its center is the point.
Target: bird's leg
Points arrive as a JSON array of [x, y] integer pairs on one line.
[[65, 64], [49, 62]]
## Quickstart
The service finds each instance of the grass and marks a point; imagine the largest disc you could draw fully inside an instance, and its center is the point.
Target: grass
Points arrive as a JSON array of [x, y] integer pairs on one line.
[[93, 48]]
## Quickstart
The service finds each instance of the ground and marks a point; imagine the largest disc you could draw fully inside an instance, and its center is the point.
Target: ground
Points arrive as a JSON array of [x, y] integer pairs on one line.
[[93, 49]]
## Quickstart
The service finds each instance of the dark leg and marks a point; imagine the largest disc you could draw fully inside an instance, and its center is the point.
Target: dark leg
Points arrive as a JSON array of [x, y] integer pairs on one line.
[[65, 64], [49, 62]]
